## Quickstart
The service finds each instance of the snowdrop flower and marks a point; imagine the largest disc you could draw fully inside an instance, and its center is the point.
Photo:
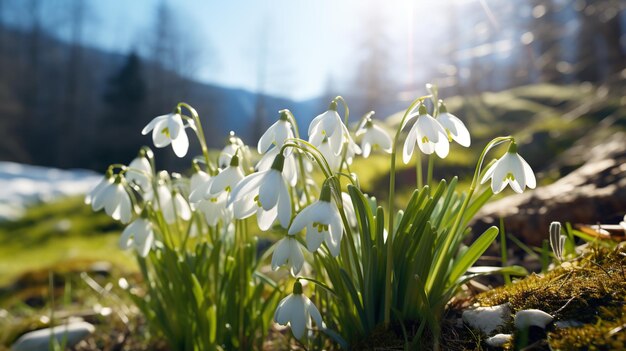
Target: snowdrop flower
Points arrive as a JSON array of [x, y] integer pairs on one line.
[[264, 193], [322, 222], [140, 234], [455, 129], [234, 144], [290, 169], [428, 134], [328, 125], [348, 208], [139, 172], [334, 161], [288, 252], [215, 209], [94, 197], [173, 204], [227, 179], [276, 134], [115, 200], [374, 137], [510, 169], [199, 179], [169, 129], [297, 311]]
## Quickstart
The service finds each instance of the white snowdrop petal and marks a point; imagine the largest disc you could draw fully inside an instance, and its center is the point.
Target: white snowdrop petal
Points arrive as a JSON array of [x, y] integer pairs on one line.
[[298, 317], [296, 258], [126, 238], [175, 125], [284, 206], [159, 137], [281, 254], [244, 207], [180, 144], [302, 219], [150, 126], [281, 315], [182, 207], [442, 147], [314, 239], [531, 181], [409, 145], [268, 189], [314, 313], [125, 208], [143, 243], [265, 218], [266, 139]]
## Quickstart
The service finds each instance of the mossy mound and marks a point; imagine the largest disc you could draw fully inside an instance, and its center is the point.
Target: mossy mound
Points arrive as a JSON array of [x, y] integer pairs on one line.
[[589, 292]]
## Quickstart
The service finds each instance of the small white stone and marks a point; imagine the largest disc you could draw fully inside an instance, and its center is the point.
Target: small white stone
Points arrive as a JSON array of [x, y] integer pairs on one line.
[[39, 340], [498, 340], [527, 318], [488, 319]]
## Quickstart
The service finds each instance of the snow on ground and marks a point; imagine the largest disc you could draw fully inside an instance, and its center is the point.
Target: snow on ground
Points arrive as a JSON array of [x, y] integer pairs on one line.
[[23, 185]]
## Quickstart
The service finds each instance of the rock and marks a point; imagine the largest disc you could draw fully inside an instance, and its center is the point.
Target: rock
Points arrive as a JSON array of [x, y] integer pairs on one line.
[[39, 340], [536, 318], [498, 340], [488, 319], [594, 192]]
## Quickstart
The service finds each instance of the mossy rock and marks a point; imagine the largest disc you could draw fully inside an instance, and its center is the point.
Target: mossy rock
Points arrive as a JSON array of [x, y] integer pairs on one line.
[[590, 290]]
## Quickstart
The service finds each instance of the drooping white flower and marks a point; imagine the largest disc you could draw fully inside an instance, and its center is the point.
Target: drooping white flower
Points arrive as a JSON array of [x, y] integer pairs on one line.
[[288, 252], [94, 197], [322, 222], [296, 310], [334, 161], [374, 137], [264, 193], [169, 129], [234, 146], [215, 209], [227, 179], [140, 235], [455, 129], [199, 179], [510, 169], [173, 204], [290, 169], [115, 200], [139, 172], [348, 208], [328, 125], [428, 134], [276, 134]]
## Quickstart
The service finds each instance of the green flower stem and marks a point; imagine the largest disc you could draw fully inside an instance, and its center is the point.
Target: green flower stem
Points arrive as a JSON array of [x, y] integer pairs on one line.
[[429, 174], [345, 109], [303, 177], [419, 181], [452, 234], [391, 209], [313, 151], [200, 134]]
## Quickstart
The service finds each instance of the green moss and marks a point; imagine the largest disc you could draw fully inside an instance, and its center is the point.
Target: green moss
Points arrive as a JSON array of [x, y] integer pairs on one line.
[[590, 290]]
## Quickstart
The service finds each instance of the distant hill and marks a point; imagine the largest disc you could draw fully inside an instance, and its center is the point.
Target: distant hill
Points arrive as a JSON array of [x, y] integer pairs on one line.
[[53, 110]]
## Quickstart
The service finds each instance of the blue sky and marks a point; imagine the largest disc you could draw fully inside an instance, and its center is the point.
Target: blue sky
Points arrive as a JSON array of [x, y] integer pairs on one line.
[[296, 46], [307, 42]]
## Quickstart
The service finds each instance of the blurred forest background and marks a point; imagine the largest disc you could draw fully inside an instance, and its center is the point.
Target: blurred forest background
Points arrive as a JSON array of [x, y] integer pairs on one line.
[[67, 103]]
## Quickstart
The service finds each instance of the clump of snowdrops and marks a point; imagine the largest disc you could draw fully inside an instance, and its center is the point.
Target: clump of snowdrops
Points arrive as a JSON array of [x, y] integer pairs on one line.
[[353, 264]]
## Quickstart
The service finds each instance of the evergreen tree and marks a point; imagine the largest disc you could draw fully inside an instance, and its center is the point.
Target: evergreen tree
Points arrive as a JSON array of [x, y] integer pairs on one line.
[[124, 97]]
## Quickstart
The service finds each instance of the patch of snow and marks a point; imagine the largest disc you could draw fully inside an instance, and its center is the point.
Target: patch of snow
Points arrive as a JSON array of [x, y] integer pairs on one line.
[[25, 185]]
